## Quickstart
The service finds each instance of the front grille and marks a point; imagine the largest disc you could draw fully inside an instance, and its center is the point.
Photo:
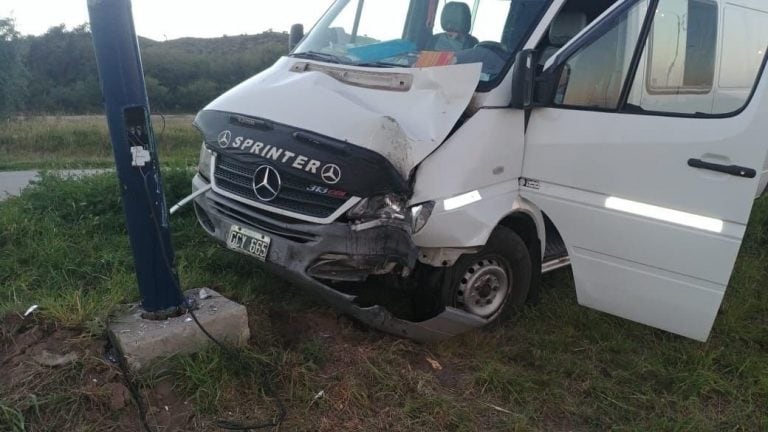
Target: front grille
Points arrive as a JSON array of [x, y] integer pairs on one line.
[[237, 178], [238, 213]]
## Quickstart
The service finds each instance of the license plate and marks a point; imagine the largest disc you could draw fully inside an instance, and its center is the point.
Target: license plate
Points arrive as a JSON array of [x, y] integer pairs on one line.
[[249, 242]]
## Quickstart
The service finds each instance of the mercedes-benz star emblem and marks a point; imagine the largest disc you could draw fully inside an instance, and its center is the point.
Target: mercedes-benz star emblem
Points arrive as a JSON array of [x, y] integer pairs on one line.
[[331, 174], [266, 183], [225, 138]]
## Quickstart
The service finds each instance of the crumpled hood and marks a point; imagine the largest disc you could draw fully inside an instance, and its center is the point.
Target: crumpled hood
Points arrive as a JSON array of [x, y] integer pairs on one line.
[[402, 114]]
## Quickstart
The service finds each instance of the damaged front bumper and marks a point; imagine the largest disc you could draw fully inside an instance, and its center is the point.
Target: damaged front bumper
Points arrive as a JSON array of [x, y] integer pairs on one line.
[[306, 253]]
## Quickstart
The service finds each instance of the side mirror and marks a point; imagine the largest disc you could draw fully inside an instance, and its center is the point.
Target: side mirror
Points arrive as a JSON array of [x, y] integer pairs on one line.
[[295, 36], [523, 79]]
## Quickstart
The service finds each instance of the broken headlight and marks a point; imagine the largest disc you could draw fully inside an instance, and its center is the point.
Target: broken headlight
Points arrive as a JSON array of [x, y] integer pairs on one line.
[[420, 215], [204, 166], [390, 206]]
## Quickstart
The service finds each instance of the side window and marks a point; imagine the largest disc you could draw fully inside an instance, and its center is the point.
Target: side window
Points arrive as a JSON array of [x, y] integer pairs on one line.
[[701, 57], [699, 60], [682, 47], [594, 76]]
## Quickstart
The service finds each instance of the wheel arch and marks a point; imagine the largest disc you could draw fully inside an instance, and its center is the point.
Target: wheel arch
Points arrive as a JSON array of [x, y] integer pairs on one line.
[[529, 223]]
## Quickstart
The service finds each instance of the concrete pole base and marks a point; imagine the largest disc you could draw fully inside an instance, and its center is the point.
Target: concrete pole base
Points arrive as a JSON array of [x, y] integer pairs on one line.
[[144, 342]]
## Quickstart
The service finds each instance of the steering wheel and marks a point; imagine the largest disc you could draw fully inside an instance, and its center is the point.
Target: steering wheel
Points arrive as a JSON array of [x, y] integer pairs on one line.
[[494, 47]]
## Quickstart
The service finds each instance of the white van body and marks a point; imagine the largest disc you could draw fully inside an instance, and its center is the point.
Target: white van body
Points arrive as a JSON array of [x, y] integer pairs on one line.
[[638, 164]]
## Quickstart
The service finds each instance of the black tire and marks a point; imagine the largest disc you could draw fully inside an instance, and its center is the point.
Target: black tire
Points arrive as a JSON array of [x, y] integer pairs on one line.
[[505, 251]]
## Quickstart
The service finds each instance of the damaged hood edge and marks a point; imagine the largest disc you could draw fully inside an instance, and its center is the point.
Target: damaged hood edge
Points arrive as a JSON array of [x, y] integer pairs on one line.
[[403, 126]]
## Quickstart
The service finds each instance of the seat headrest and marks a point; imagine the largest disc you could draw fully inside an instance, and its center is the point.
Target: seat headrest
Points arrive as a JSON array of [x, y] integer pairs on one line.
[[565, 26], [457, 18]]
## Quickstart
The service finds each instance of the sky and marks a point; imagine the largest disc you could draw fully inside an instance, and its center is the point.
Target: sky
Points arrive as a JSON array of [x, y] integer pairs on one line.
[[172, 19]]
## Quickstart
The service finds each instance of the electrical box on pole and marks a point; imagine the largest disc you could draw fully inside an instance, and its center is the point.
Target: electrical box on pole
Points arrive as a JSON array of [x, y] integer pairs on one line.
[[135, 150]]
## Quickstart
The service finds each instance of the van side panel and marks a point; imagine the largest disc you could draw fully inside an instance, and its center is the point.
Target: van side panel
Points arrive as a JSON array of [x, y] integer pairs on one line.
[[484, 156]]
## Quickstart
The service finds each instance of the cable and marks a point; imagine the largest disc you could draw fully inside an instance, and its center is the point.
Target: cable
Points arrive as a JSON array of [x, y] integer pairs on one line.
[[162, 131], [228, 425], [113, 355], [265, 383]]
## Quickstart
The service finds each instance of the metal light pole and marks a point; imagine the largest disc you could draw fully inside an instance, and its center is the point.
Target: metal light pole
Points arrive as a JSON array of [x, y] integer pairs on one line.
[[135, 151]]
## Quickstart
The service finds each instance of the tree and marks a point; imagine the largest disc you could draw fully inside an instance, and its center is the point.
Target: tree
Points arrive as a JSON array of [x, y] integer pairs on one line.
[[195, 95], [62, 68], [57, 72], [158, 94], [12, 74]]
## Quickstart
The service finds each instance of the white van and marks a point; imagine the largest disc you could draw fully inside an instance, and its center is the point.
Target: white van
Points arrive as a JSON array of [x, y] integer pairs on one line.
[[449, 153]]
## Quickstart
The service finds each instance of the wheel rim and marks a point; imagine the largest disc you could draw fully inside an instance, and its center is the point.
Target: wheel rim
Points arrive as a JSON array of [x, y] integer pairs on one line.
[[484, 287]]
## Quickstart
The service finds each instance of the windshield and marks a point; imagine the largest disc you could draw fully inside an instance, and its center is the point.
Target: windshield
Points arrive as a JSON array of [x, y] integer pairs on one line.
[[423, 33]]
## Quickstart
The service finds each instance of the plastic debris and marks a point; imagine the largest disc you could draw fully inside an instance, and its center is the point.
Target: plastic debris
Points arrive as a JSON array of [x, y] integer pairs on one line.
[[47, 358], [31, 310], [435, 364], [319, 395], [498, 408], [204, 294]]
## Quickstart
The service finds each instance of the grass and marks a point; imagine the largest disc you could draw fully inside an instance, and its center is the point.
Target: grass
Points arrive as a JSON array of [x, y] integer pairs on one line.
[[558, 366], [11, 418], [83, 142]]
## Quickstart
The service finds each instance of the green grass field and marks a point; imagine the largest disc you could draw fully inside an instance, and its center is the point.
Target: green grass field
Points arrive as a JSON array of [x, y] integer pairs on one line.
[[83, 142], [558, 367]]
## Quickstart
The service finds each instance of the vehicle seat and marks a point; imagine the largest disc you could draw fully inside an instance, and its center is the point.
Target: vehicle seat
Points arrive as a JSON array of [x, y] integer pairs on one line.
[[565, 26], [456, 21]]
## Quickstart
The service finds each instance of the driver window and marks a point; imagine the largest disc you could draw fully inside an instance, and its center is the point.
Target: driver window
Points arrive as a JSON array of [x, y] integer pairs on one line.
[[594, 76], [574, 17]]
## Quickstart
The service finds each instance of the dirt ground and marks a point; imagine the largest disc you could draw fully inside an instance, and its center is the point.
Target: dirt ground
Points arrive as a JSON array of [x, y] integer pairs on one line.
[[30, 351]]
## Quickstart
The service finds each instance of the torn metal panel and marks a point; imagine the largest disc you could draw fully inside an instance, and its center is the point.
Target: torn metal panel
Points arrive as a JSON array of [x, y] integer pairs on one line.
[[404, 126]]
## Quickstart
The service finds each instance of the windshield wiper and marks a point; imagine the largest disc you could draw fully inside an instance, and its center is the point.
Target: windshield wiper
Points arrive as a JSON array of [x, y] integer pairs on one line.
[[381, 64], [316, 55]]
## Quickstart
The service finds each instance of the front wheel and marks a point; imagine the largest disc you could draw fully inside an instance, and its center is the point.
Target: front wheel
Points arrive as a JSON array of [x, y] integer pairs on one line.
[[493, 283]]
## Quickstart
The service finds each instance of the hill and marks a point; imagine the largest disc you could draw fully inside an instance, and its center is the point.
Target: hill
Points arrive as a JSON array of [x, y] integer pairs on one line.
[[56, 72]]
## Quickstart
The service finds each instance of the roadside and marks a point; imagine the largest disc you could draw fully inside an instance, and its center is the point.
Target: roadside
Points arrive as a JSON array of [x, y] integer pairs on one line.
[[82, 142], [12, 183], [558, 367]]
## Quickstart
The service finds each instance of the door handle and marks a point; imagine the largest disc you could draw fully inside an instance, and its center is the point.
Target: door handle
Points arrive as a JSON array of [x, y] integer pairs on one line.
[[734, 170]]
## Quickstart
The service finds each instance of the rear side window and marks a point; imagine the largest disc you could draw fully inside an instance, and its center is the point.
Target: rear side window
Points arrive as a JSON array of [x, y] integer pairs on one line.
[[696, 58], [701, 58], [683, 47]]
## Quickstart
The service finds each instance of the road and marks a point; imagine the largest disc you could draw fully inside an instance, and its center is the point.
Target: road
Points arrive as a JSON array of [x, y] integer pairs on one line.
[[13, 182]]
